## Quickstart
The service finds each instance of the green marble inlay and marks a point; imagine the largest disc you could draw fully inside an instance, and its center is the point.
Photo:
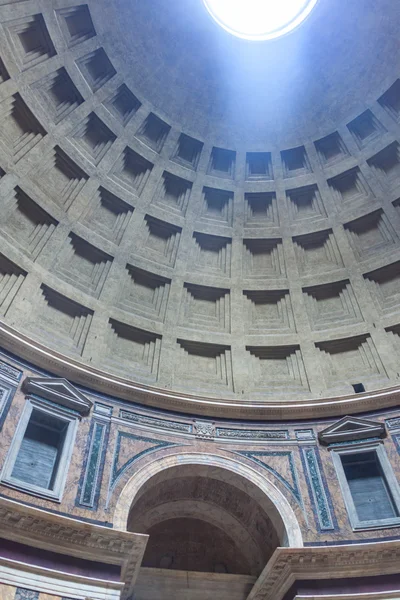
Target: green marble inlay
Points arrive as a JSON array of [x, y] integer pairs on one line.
[[93, 464], [156, 445], [257, 456], [317, 489]]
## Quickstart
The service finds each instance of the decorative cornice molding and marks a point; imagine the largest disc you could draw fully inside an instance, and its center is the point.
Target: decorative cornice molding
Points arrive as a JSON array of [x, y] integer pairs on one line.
[[104, 382], [324, 562], [64, 535], [393, 423], [53, 583], [252, 434], [166, 424], [10, 373]]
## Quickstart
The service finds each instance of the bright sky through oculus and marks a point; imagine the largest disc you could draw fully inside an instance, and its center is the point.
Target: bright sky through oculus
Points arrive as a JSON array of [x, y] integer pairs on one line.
[[259, 19]]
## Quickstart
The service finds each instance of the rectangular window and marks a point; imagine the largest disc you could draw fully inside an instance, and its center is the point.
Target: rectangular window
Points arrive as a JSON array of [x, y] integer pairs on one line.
[[40, 452], [370, 489]]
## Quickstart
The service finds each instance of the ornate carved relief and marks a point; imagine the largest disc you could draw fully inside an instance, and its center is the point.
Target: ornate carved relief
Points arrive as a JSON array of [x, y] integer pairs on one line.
[[10, 373], [204, 429], [59, 534], [290, 564], [176, 426], [252, 434]]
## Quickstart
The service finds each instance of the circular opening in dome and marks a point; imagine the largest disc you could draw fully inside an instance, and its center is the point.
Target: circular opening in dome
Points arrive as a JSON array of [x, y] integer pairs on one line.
[[259, 19]]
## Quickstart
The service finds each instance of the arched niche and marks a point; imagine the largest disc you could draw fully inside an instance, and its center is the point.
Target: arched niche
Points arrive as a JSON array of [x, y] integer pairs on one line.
[[235, 503]]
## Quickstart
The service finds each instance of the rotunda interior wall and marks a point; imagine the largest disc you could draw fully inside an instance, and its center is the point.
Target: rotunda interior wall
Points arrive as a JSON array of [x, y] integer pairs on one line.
[[151, 459]]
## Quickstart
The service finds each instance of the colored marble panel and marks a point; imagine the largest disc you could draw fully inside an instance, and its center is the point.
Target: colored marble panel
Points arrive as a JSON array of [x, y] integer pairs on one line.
[[93, 469], [317, 491], [127, 454], [24, 594], [7, 392], [393, 423], [261, 458]]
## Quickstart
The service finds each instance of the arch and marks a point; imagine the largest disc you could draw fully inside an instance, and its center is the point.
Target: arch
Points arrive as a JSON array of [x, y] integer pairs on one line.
[[279, 508]]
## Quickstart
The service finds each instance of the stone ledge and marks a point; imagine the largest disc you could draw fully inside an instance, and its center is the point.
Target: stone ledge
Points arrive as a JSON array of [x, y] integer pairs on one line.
[[335, 562], [64, 535]]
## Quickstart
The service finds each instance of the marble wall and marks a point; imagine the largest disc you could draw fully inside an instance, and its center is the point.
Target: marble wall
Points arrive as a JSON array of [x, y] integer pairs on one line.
[[9, 592], [120, 439]]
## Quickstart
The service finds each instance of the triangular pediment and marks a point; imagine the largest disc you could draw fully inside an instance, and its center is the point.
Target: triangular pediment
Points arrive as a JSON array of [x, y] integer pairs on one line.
[[349, 429], [58, 390]]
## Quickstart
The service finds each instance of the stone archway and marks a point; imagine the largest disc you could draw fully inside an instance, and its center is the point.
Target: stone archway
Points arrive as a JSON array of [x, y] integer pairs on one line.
[[263, 490], [213, 524]]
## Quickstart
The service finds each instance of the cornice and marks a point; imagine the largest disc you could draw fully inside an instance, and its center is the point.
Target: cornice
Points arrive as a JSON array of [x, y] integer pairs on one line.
[[53, 583], [101, 381], [290, 564], [64, 535]]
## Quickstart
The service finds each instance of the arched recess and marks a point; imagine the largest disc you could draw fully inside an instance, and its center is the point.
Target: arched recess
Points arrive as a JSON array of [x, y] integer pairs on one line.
[[267, 494], [200, 511]]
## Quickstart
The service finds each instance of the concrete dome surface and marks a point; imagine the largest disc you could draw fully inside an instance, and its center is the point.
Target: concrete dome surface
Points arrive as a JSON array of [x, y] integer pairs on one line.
[[200, 220]]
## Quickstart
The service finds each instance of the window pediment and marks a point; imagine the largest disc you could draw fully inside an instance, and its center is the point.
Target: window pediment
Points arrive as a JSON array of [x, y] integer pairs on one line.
[[351, 429], [58, 390]]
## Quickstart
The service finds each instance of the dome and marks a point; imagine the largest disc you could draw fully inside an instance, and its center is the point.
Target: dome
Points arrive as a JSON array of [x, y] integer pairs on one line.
[[197, 221], [239, 94], [199, 300]]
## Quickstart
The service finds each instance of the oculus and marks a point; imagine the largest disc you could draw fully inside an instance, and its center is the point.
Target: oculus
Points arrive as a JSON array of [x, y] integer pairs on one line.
[[259, 19]]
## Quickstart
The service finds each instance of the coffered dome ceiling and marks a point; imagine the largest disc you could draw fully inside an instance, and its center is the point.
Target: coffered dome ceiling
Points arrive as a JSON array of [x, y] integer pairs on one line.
[[234, 91], [196, 221]]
